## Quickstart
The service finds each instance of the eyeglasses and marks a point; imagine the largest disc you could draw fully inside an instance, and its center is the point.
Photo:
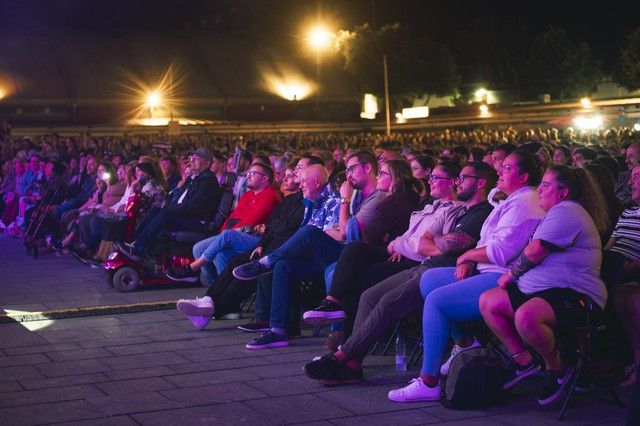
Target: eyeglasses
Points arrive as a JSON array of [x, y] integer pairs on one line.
[[431, 176], [253, 173], [352, 169], [383, 173], [462, 177]]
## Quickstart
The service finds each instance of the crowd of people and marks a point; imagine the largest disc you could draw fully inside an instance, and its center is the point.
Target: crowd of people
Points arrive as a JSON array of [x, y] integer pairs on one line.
[[523, 229]]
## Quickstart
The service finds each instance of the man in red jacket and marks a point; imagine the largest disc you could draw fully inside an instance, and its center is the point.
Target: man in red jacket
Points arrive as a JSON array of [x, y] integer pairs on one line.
[[241, 231]]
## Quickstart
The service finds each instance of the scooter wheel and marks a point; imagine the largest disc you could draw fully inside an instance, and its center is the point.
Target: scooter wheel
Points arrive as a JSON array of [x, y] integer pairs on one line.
[[126, 279], [108, 278]]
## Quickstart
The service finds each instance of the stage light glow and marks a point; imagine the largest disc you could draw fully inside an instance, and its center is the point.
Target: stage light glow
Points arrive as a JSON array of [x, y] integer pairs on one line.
[[588, 123]]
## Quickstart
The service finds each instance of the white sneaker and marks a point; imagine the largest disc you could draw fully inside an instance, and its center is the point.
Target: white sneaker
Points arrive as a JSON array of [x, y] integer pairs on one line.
[[202, 306], [444, 369], [199, 322], [415, 391]]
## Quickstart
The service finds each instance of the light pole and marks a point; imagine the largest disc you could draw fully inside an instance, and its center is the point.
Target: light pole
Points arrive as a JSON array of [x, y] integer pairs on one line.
[[386, 93]]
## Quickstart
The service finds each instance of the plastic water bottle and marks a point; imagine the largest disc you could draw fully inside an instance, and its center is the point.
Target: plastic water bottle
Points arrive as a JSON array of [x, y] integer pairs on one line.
[[401, 365]]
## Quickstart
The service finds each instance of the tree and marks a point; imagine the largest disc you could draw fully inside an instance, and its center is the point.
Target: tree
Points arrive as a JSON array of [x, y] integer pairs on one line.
[[628, 67], [417, 66], [556, 65]]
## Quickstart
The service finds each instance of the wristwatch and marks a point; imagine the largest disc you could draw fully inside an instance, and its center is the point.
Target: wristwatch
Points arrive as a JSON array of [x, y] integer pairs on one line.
[[344, 200]]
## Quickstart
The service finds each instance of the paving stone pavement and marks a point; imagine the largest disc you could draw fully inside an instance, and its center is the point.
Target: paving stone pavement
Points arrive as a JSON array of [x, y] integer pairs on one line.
[[154, 368]]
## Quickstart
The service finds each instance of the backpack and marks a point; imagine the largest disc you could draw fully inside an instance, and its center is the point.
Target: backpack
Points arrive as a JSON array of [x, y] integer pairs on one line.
[[474, 381]]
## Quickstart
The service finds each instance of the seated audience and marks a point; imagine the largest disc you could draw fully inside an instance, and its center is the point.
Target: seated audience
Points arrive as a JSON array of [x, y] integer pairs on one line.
[[545, 291]]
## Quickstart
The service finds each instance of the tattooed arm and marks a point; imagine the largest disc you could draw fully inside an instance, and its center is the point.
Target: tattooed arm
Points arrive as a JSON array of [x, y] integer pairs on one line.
[[532, 255], [454, 242]]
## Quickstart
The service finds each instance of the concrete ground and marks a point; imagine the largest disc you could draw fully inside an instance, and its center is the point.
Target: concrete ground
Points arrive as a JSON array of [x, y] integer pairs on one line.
[[152, 367]]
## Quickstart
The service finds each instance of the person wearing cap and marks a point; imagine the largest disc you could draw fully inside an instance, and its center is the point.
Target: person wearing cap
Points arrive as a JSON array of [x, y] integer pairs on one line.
[[192, 210]]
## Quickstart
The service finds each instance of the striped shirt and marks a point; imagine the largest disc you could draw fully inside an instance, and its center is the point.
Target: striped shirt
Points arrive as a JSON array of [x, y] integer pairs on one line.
[[627, 234]]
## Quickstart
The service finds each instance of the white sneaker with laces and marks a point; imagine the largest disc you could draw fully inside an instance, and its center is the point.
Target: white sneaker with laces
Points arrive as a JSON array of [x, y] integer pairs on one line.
[[444, 369], [201, 306], [415, 391]]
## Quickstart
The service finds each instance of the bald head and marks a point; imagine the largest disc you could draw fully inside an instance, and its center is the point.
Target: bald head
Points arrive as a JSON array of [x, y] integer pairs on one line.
[[313, 180]]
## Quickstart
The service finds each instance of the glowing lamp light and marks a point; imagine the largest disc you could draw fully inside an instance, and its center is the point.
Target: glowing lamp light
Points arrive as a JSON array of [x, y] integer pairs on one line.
[[154, 99], [320, 37], [588, 123], [400, 118], [481, 94], [484, 110], [415, 112], [585, 102], [370, 107], [636, 127]]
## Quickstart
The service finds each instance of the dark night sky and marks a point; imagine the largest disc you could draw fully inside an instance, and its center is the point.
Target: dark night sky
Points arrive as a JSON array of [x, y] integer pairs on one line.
[[603, 26]]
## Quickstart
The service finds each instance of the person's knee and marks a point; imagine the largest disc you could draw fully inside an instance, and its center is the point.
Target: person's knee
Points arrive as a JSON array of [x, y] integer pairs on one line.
[[486, 303], [526, 322]]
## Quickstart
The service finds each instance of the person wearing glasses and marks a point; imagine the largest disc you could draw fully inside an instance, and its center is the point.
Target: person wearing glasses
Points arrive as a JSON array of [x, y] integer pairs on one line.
[[311, 250], [398, 296], [451, 295], [362, 265], [241, 231]]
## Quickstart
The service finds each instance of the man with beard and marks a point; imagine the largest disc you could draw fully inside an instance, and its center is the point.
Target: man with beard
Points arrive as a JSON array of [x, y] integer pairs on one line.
[[311, 249]]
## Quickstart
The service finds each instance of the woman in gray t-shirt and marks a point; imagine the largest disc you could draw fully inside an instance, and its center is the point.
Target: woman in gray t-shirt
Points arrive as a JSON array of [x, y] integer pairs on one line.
[[553, 280]]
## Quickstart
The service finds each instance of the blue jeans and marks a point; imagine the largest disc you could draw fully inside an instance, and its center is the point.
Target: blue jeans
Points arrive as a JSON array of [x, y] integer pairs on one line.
[[304, 256], [447, 303], [219, 249], [328, 279]]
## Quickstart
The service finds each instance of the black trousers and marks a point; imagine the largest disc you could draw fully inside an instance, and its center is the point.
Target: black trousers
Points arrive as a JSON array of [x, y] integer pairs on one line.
[[228, 292], [360, 267]]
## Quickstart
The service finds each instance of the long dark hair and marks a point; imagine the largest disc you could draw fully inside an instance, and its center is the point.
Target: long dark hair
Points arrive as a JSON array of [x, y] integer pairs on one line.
[[583, 189], [402, 177]]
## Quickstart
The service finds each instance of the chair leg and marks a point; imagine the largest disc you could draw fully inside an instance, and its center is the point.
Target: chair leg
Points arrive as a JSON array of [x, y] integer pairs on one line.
[[374, 349], [391, 339], [415, 354], [571, 387]]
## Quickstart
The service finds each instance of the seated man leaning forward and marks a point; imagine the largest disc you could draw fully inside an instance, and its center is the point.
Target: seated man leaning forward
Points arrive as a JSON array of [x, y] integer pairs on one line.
[[241, 231], [398, 296], [362, 265], [227, 293], [310, 250]]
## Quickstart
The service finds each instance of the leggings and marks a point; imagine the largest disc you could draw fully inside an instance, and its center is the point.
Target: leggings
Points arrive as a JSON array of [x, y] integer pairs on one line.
[[447, 303]]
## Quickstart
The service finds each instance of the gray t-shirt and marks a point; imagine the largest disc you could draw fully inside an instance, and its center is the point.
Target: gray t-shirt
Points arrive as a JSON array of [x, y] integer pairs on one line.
[[367, 210], [576, 264]]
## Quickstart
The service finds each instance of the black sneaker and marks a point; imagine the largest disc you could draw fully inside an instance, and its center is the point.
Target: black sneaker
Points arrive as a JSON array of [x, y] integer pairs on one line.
[[183, 274], [329, 371], [327, 312], [256, 325], [268, 340], [517, 372], [554, 385], [251, 270]]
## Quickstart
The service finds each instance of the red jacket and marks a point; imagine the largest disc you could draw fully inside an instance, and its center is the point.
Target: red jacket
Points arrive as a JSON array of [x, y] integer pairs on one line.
[[253, 209]]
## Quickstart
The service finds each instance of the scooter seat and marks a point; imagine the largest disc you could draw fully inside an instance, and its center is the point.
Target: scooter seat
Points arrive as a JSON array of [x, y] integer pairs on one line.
[[188, 237]]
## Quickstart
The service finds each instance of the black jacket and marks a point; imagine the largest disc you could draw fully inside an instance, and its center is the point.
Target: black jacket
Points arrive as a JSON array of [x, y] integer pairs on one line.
[[284, 222], [202, 199]]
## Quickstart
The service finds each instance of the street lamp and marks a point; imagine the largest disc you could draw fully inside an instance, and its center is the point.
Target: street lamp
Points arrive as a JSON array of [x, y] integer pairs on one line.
[[319, 38]]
